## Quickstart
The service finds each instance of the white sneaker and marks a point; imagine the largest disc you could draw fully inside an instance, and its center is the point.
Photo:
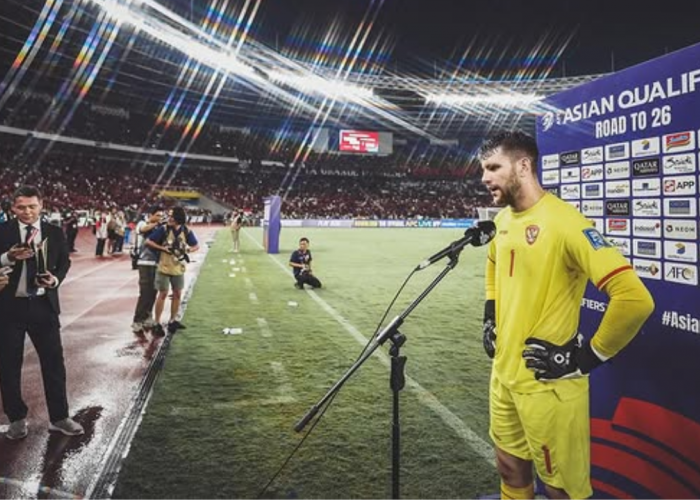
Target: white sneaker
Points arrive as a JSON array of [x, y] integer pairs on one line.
[[137, 327], [67, 426], [149, 324], [17, 429]]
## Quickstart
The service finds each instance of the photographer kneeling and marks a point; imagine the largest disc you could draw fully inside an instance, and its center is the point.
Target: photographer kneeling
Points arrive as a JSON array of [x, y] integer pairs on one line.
[[300, 262], [173, 242]]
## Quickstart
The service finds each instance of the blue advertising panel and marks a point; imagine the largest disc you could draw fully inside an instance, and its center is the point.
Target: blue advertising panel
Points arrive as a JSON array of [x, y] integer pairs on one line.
[[623, 149], [272, 223]]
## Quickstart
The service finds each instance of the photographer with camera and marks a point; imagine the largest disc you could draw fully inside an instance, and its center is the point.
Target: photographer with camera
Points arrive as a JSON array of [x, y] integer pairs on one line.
[[174, 241], [146, 260], [300, 262]]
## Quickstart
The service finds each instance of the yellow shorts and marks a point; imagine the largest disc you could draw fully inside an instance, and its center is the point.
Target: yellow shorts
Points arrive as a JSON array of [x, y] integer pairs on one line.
[[551, 428]]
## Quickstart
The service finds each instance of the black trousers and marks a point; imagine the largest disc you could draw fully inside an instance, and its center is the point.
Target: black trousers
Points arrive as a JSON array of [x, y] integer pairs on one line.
[[147, 293], [308, 279], [71, 235], [37, 318]]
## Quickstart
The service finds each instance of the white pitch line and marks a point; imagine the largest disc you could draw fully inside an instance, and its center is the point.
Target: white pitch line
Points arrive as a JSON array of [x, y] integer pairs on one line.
[[481, 447], [264, 328], [284, 388], [253, 298], [248, 283]]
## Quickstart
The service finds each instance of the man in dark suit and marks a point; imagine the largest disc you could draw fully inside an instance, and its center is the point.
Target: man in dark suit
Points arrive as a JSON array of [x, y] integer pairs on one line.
[[29, 304]]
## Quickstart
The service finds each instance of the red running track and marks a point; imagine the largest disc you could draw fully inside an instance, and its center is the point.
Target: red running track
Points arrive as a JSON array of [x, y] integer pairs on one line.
[[105, 362]]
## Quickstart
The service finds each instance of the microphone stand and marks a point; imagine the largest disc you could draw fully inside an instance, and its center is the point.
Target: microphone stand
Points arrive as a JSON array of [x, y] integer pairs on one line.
[[397, 378]]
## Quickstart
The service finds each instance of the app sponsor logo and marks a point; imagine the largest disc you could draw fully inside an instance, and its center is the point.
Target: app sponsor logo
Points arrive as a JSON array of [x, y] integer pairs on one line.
[[681, 273], [618, 151], [618, 226], [617, 189], [553, 189], [591, 155], [647, 248], [647, 268], [646, 147], [683, 251], [592, 207], [649, 166], [570, 175], [649, 228], [681, 229], [550, 177], [592, 173], [594, 305], [679, 164], [680, 207], [678, 142], [570, 158], [617, 170], [622, 244], [646, 187], [570, 191], [650, 207], [620, 207], [593, 190], [680, 186], [550, 161]]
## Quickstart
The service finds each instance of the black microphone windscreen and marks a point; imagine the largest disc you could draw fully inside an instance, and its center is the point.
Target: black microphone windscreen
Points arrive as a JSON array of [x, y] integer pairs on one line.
[[486, 232]]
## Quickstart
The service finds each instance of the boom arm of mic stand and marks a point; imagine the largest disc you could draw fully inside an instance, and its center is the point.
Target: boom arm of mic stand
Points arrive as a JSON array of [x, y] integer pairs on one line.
[[380, 339]]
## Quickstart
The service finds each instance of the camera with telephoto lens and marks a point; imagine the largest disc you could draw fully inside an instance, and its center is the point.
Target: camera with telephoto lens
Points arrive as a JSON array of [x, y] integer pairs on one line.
[[179, 251]]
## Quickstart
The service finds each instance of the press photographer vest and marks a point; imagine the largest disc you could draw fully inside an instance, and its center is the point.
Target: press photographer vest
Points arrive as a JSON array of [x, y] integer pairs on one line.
[[168, 263]]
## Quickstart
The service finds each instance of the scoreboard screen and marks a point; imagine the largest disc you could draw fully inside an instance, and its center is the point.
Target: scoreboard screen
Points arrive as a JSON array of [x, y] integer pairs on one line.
[[358, 141]]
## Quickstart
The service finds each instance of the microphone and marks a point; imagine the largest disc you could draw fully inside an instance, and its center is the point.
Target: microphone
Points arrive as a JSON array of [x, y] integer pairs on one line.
[[479, 234]]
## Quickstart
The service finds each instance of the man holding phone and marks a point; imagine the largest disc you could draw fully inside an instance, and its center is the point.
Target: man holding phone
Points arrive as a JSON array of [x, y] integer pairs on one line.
[[29, 304]]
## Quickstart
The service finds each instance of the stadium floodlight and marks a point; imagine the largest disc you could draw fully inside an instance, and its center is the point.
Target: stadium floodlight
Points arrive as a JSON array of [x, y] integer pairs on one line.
[[334, 89], [494, 100]]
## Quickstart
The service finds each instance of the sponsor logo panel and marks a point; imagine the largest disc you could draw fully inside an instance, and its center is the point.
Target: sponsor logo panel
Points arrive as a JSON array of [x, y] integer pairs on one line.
[[647, 248], [570, 158], [618, 151], [650, 228], [650, 166], [647, 207], [617, 227], [592, 208], [576, 204], [591, 155], [682, 185], [679, 164], [646, 187], [680, 229], [649, 269], [550, 177], [550, 161], [592, 173], [683, 251], [570, 191], [680, 207], [622, 244], [617, 207], [678, 142], [617, 189], [593, 190], [617, 170], [569, 175], [685, 274], [646, 147], [598, 224]]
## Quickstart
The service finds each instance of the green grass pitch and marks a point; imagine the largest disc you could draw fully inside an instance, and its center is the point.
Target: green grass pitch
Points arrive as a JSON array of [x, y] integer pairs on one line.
[[220, 422]]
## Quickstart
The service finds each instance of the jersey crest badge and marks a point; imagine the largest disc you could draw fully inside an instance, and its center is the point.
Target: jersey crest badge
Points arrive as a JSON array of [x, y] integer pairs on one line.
[[531, 234]]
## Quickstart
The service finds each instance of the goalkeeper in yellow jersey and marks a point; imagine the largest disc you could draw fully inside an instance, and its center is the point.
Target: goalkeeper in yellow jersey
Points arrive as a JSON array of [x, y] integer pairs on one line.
[[537, 269]]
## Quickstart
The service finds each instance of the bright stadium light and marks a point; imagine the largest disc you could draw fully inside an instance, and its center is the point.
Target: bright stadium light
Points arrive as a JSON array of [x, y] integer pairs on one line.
[[316, 84], [495, 100]]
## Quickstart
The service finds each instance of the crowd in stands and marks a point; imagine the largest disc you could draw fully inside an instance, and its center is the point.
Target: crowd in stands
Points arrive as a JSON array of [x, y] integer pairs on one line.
[[402, 185]]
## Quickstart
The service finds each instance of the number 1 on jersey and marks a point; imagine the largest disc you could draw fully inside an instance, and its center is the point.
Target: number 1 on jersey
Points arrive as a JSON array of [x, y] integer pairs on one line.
[[512, 261]]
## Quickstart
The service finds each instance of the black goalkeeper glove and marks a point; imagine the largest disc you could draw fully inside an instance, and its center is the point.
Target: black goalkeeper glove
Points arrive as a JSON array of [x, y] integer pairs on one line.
[[489, 328], [551, 362]]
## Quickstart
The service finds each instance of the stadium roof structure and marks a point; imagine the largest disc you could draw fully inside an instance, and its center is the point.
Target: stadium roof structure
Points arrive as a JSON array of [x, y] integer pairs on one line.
[[140, 56]]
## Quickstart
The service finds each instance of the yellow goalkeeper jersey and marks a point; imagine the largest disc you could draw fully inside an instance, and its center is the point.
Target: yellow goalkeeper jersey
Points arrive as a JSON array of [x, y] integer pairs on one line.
[[537, 269]]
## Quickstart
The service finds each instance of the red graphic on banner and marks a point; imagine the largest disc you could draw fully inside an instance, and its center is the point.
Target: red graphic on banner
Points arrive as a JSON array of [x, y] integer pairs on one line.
[[358, 141]]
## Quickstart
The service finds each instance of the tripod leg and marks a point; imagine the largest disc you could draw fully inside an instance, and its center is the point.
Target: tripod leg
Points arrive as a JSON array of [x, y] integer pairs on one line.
[[398, 381]]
